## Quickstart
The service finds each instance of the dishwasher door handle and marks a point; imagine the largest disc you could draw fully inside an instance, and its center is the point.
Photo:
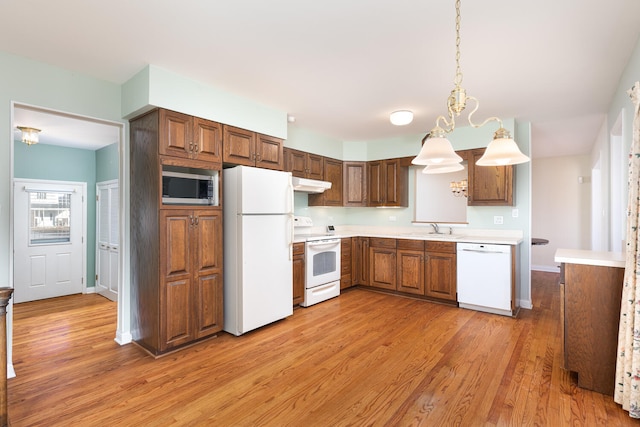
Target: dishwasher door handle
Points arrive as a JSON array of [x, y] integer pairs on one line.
[[480, 251]]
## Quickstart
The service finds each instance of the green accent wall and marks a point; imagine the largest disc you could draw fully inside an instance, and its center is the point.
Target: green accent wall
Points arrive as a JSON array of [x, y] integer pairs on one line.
[[55, 163], [107, 166]]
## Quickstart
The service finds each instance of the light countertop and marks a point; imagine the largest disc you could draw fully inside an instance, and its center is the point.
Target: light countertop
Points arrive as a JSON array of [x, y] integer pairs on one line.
[[463, 235], [586, 257]]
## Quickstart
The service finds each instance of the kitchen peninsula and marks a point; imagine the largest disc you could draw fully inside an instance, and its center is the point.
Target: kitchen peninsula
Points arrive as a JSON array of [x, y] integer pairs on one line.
[[590, 295]]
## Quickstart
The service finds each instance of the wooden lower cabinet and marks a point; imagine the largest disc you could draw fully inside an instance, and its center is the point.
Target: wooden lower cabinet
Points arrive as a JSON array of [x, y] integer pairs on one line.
[[360, 260], [382, 263], [410, 269], [590, 310], [345, 263], [440, 270], [298, 273], [191, 279]]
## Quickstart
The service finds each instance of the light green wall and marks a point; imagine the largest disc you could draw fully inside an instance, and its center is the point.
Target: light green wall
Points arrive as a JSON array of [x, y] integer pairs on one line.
[[155, 86], [63, 164], [107, 166], [34, 83], [313, 142]]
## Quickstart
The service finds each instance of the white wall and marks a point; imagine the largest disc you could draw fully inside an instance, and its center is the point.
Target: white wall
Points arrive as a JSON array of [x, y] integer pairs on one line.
[[561, 207]]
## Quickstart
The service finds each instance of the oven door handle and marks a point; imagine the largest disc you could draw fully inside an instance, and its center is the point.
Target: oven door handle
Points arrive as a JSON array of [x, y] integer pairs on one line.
[[324, 244]]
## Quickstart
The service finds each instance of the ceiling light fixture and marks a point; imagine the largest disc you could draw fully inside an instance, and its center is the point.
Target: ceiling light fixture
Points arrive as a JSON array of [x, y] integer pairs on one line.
[[401, 117], [436, 148], [29, 135]]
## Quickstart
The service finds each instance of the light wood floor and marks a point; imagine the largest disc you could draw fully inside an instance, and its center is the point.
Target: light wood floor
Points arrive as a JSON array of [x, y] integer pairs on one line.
[[364, 358]]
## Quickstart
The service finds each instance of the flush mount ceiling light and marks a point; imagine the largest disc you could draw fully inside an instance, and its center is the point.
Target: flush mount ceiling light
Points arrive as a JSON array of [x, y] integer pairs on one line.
[[437, 150], [401, 117], [29, 135]]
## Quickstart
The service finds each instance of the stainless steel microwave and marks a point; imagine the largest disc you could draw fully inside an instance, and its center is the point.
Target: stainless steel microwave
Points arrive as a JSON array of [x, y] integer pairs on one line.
[[180, 188]]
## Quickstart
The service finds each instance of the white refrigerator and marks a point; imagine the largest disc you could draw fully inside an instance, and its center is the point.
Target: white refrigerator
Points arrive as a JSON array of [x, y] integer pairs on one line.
[[258, 243]]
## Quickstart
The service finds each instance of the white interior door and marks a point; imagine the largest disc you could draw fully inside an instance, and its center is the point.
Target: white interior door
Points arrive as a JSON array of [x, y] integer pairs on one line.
[[49, 229], [107, 244]]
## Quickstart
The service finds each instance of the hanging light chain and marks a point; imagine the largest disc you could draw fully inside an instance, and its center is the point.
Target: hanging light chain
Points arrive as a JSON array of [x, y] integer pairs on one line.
[[458, 79]]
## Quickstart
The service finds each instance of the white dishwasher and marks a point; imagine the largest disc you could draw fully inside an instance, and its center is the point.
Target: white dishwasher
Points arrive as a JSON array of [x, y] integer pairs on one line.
[[484, 277]]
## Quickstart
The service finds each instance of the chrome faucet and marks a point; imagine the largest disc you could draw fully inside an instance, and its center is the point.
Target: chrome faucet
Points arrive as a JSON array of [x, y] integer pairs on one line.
[[436, 228]]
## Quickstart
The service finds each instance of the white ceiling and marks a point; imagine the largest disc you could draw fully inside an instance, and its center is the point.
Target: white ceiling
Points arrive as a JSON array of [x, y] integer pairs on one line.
[[340, 67]]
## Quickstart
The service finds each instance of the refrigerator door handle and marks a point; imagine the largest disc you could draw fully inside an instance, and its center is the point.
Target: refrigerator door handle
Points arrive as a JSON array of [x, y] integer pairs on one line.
[[290, 237]]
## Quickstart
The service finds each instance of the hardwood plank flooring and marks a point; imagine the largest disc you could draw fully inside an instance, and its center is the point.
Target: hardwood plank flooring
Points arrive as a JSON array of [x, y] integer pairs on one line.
[[364, 358]]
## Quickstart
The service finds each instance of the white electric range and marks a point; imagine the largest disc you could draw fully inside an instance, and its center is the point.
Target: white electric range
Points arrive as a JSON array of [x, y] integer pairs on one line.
[[322, 262]]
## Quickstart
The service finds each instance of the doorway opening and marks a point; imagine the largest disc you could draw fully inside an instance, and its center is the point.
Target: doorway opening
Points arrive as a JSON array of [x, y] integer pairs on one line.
[[80, 149]]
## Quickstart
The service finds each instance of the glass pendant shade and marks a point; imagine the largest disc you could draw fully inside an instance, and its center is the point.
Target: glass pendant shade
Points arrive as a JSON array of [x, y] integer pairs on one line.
[[436, 151], [433, 169], [502, 152]]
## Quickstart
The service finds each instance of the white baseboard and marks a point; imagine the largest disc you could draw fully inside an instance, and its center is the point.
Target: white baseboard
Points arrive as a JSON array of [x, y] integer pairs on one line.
[[123, 339], [547, 268], [90, 290]]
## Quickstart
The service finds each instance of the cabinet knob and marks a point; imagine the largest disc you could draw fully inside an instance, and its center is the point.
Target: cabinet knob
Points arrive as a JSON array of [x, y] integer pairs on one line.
[[196, 148], [197, 220], [191, 146]]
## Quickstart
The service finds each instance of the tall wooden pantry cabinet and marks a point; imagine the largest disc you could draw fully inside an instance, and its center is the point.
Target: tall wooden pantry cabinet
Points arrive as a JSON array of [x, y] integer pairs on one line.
[[176, 249]]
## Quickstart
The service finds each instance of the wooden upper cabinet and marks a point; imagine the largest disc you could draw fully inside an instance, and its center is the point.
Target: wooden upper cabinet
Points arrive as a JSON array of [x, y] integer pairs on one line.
[[388, 183], [189, 137], [244, 147], [489, 185], [354, 184], [303, 165], [333, 174], [269, 153], [239, 146], [207, 140]]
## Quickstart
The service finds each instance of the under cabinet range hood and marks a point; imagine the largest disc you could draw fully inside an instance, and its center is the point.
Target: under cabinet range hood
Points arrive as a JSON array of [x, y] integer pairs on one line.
[[309, 185]]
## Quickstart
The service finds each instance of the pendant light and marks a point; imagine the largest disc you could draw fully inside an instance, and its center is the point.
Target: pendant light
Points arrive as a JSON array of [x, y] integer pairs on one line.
[[436, 148]]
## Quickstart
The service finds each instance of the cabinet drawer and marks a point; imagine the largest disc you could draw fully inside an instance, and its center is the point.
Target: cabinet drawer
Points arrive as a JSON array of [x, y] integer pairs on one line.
[[376, 242], [412, 245], [433, 246], [298, 248]]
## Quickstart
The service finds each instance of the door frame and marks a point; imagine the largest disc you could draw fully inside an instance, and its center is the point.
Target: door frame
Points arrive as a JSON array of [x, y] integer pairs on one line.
[[123, 323], [35, 182]]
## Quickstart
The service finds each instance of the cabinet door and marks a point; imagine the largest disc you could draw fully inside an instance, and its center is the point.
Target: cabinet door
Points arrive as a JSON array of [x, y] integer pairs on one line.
[[354, 184], [207, 140], [239, 146], [382, 268], [176, 285], [314, 166], [295, 162], [375, 179], [395, 183], [333, 174], [298, 273], [360, 264], [207, 298], [440, 275], [489, 185], [175, 134], [269, 152], [345, 263], [411, 271]]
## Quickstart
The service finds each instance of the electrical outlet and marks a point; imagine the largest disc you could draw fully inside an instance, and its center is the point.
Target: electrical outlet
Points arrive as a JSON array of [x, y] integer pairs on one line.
[[515, 213], [392, 218], [498, 219]]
